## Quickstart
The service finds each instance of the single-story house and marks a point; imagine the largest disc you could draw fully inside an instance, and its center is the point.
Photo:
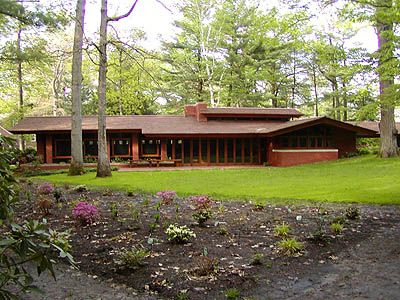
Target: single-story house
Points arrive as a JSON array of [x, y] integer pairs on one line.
[[204, 136]]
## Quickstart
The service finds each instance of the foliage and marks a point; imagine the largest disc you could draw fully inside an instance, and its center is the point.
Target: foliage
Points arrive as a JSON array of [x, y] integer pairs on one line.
[[113, 207], [352, 213], [257, 259], [290, 246], [80, 188], [232, 293], [29, 242], [58, 193], [179, 234], [201, 202], [46, 188], [282, 230], [132, 258], [202, 216], [204, 266], [25, 156], [44, 204], [337, 228], [167, 197], [85, 213]]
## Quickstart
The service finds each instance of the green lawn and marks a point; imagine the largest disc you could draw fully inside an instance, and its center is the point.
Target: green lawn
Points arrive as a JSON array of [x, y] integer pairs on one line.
[[364, 179]]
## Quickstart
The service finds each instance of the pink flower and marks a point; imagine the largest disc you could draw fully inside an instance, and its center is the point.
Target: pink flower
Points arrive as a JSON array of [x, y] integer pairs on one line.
[[167, 196], [201, 201], [46, 188], [85, 213]]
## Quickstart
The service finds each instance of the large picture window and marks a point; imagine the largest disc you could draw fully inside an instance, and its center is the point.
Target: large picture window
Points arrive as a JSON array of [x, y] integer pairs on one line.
[[62, 148], [121, 147], [90, 147], [151, 147]]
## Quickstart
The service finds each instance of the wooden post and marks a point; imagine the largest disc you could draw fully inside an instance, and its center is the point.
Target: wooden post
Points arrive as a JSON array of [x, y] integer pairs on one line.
[[259, 150], [134, 146], [163, 149], [49, 149], [109, 146]]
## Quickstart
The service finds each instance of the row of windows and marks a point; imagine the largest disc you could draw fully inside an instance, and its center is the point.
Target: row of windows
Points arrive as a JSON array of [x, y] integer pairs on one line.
[[306, 142]]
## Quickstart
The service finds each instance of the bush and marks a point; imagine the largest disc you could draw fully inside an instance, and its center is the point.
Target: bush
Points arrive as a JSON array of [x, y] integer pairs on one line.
[[337, 228], [57, 193], [179, 234], [232, 294], [282, 230], [80, 188], [290, 246], [201, 201], [132, 258], [352, 213], [44, 204], [202, 216], [256, 259], [85, 213], [46, 188], [167, 197]]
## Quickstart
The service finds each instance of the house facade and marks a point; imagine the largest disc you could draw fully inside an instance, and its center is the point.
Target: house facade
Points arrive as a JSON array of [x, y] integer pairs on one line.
[[203, 136]]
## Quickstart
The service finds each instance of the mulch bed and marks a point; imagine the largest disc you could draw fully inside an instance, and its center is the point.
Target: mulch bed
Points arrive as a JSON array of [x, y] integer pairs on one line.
[[221, 257]]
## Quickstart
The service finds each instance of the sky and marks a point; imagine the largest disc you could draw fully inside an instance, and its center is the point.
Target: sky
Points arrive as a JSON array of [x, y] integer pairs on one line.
[[157, 21]]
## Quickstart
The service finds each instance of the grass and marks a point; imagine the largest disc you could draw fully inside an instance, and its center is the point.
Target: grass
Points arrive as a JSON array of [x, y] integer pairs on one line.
[[365, 179]]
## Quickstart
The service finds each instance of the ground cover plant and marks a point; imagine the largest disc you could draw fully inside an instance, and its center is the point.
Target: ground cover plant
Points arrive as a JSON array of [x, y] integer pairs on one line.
[[365, 179], [236, 252]]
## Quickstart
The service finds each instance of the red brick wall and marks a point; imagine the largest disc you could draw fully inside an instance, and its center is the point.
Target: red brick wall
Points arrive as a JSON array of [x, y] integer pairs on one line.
[[298, 157], [200, 117], [190, 110], [49, 149], [41, 146]]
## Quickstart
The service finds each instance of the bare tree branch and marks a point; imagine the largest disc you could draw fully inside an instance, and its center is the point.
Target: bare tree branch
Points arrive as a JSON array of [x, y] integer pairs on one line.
[[114, 19]]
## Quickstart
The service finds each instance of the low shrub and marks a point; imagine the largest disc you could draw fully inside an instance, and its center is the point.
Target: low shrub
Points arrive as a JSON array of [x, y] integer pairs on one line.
[[202, 216], [337, 228], [44, 204], [352, 213], [132, 258], [339, 219], [167, 197], [257, 259], [45, 188], [85, 213], [80, 188], [179, 234], [282, 230], [201, 202], [290, 246], [113, 207], [232, 294], [205, 266], [57, 194]]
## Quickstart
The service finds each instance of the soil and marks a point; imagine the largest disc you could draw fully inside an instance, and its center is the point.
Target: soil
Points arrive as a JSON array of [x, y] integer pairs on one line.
[[363, 261]]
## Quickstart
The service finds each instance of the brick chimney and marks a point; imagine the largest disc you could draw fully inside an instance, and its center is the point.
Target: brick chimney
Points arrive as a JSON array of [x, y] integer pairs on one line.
[[194, 110]]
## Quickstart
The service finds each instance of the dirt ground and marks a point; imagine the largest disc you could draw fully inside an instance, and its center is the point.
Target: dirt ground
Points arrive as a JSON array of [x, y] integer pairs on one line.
[[363, 262]]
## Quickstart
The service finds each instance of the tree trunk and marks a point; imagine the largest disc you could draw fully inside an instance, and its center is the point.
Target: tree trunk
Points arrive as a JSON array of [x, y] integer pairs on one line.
[[20, 85], [76, 167], [387, 125], [103, 162]]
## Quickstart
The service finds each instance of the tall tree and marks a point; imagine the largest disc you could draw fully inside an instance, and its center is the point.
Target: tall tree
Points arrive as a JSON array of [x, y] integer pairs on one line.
[[385, 15], [103, 162], [76, 166]]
